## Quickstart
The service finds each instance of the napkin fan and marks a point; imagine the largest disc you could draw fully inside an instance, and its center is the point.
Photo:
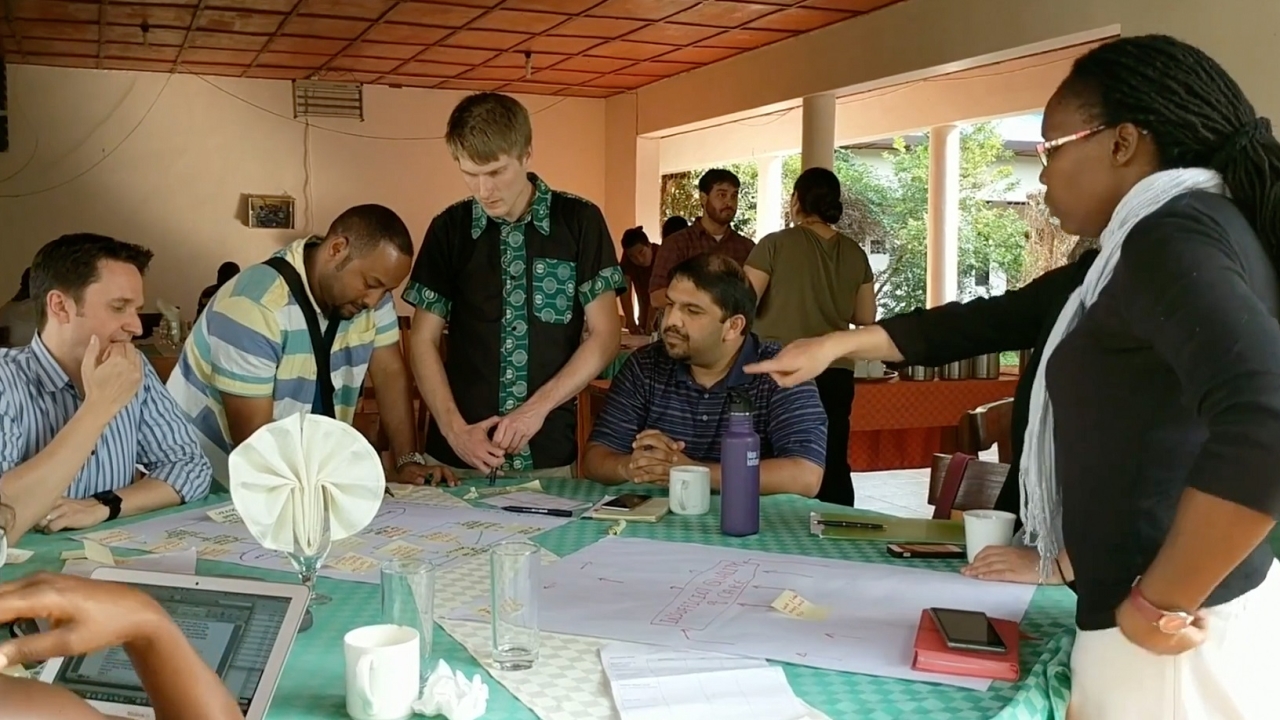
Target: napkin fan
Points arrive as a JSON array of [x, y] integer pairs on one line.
[[301, 482]]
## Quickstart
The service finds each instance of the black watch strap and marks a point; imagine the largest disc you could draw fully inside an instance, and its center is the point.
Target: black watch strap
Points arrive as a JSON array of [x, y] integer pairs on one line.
[[112, 501]]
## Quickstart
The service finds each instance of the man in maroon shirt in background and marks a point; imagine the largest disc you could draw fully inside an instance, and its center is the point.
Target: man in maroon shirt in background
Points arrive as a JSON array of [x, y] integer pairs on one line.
[[718, 191]]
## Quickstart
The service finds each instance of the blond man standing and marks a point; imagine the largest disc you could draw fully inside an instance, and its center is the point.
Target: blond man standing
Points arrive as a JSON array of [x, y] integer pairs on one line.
[[517, 271]]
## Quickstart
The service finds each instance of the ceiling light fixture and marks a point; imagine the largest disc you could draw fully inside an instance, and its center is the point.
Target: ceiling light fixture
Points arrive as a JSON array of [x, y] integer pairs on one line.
[[528, 65], [145, 27]]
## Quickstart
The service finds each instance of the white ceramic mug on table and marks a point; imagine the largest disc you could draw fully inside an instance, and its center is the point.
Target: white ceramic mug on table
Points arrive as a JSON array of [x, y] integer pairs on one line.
[[382, 672], [690, 490], [986, 527]]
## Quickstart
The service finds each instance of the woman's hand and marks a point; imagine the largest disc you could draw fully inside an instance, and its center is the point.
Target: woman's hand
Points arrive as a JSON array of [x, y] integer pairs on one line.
[[1143, 633], [799, 361], [85, 616], [1009, 564]]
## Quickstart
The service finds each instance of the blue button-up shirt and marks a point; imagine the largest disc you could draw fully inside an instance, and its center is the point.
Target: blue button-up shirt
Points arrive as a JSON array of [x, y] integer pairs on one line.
[[37, 400], [652, 391]]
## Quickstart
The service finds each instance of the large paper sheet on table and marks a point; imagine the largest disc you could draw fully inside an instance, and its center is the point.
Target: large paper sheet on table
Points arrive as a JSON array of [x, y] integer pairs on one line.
[[859, 617], [441, 536]]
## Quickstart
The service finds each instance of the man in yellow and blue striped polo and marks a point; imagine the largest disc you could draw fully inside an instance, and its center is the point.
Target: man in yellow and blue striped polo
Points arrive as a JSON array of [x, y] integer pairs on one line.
[[261, 349]]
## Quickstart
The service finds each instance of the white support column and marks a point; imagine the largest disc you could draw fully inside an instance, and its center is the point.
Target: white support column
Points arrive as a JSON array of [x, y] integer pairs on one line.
[[943, 254], [649, 187], [818, 136], [770, 202]]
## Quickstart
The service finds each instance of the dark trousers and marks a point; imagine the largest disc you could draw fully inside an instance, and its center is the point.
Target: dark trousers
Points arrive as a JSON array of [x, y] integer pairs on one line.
[[835, 388]]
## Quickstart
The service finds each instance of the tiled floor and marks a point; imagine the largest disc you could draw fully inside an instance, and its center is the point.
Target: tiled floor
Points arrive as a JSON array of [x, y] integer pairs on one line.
[[898, 492]]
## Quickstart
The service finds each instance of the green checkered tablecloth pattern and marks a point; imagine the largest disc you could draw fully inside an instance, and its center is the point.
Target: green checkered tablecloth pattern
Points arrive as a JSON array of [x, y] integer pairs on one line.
[[312, 685]]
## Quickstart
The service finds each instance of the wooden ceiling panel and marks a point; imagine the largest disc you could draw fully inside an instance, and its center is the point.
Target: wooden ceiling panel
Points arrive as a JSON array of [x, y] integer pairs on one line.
[[242, 22], [576, 48], [408, 34], [304, 26]]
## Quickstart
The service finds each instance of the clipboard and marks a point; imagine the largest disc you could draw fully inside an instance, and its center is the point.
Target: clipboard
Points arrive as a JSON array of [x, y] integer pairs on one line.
[[896, 529]]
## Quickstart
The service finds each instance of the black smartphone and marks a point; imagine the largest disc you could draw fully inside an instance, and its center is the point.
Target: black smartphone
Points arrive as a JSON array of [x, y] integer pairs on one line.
[[630, 501], [967, 630], [926, 551]]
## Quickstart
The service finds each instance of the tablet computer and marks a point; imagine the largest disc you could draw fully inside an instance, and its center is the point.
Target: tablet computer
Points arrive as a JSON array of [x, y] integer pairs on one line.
[[242, 628]]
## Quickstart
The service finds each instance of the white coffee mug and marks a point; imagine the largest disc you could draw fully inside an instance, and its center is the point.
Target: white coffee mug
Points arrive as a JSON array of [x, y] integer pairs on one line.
[[986, 527], [382, 672], [690, 490]]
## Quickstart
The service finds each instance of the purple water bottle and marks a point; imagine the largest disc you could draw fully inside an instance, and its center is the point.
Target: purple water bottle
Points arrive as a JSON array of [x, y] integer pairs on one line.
[[740, 471]]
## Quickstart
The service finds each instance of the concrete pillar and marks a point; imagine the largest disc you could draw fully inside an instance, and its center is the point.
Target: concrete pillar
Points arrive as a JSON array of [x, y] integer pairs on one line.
[[648, 202], [943, 259], [818, 134], [771, 202]]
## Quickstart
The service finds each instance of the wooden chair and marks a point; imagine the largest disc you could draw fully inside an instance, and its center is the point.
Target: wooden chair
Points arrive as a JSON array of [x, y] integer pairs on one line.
[[590, 402], [962, 482], [986, 426]]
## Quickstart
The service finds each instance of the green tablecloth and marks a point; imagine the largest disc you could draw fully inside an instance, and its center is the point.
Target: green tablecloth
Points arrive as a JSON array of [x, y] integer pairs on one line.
[[312, 685]]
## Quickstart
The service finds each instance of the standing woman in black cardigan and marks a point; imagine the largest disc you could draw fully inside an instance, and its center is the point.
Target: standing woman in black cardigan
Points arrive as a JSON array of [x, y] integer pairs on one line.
[[1153, 431]]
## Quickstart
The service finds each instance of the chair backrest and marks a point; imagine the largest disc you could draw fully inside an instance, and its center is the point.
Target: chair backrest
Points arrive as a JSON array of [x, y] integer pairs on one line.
[[972, 484], [988, 425]]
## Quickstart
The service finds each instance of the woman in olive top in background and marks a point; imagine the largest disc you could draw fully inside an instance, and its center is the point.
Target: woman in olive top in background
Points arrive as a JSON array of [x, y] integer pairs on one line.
[[811, 279]]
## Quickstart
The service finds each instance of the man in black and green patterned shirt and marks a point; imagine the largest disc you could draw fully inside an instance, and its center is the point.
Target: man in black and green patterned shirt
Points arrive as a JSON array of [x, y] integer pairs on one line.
[[517, 272]]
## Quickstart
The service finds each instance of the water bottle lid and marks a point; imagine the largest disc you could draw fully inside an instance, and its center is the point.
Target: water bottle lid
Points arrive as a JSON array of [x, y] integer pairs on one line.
[[740, 404]]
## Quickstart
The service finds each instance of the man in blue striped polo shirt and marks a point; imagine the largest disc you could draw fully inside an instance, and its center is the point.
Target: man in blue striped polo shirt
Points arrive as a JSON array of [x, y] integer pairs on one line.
[[80, 410], [668, 406]]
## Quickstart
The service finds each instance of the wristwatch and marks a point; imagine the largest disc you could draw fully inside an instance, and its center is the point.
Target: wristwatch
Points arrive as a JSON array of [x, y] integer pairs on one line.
[[112, 501], [1170, 622], [411, 457]]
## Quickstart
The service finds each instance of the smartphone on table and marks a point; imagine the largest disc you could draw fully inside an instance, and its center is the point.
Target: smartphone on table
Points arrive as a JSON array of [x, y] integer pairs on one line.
[[926, 551], [967, 630], [629, 501]]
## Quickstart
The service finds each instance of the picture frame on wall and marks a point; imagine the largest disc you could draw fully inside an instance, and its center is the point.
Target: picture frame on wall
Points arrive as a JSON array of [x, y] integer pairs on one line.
[[272, 212]]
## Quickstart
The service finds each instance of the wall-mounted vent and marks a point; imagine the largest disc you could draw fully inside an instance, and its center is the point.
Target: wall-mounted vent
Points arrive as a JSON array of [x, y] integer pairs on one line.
[[319, 98]]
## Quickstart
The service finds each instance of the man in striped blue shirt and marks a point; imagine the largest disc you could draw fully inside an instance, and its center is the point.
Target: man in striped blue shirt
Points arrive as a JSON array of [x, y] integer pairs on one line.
[[668, 406], [80, 410]]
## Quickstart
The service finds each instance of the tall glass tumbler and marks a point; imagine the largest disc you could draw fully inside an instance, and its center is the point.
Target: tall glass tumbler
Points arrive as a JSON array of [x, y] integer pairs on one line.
[[513, 575], [408, 600]]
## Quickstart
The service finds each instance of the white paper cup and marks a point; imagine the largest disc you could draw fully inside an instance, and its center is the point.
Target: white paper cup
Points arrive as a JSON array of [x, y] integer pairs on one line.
[[986, 527]]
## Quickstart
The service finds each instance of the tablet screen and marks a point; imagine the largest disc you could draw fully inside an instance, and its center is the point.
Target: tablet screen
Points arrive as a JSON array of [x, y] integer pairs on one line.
[[234, 633]]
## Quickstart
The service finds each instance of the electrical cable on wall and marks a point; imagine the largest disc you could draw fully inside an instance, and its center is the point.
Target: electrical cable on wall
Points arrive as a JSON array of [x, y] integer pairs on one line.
[[307, 194], [105, 155]]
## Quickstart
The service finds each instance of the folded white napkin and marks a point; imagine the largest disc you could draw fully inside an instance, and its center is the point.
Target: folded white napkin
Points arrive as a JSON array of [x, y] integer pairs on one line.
[[449, 693], [289, 473]]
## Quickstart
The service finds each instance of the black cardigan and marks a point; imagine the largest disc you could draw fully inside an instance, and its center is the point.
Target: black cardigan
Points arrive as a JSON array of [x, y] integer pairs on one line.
[[1016, 320]]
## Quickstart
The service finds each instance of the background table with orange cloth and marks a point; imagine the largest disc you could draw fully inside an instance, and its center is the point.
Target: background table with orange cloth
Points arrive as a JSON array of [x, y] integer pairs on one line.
[[900, 424]]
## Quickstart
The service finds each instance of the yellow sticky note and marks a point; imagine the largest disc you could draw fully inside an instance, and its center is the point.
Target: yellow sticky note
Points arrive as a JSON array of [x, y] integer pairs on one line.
[[618, 527], [100, 554], [212, 552], [167, 546], [350, 542], [355, 564], [471, 495], [16, 557], [72, 555], [225, 515], [401, 550], [792, 604], [110, 537]]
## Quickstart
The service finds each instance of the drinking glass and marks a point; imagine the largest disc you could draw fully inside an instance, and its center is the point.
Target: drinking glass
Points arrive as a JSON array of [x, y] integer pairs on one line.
[[513, 603], [408, 600], [311, 542]]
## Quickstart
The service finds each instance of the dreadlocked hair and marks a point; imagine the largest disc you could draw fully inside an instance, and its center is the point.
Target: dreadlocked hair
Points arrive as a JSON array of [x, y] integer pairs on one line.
[[1196, 114]]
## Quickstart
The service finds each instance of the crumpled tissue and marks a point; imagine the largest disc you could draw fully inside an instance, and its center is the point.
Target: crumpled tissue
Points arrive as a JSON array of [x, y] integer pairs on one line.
[[449, 693]]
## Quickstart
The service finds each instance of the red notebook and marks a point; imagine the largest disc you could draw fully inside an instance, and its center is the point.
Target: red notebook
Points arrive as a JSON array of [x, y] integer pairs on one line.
[[933, 655]]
